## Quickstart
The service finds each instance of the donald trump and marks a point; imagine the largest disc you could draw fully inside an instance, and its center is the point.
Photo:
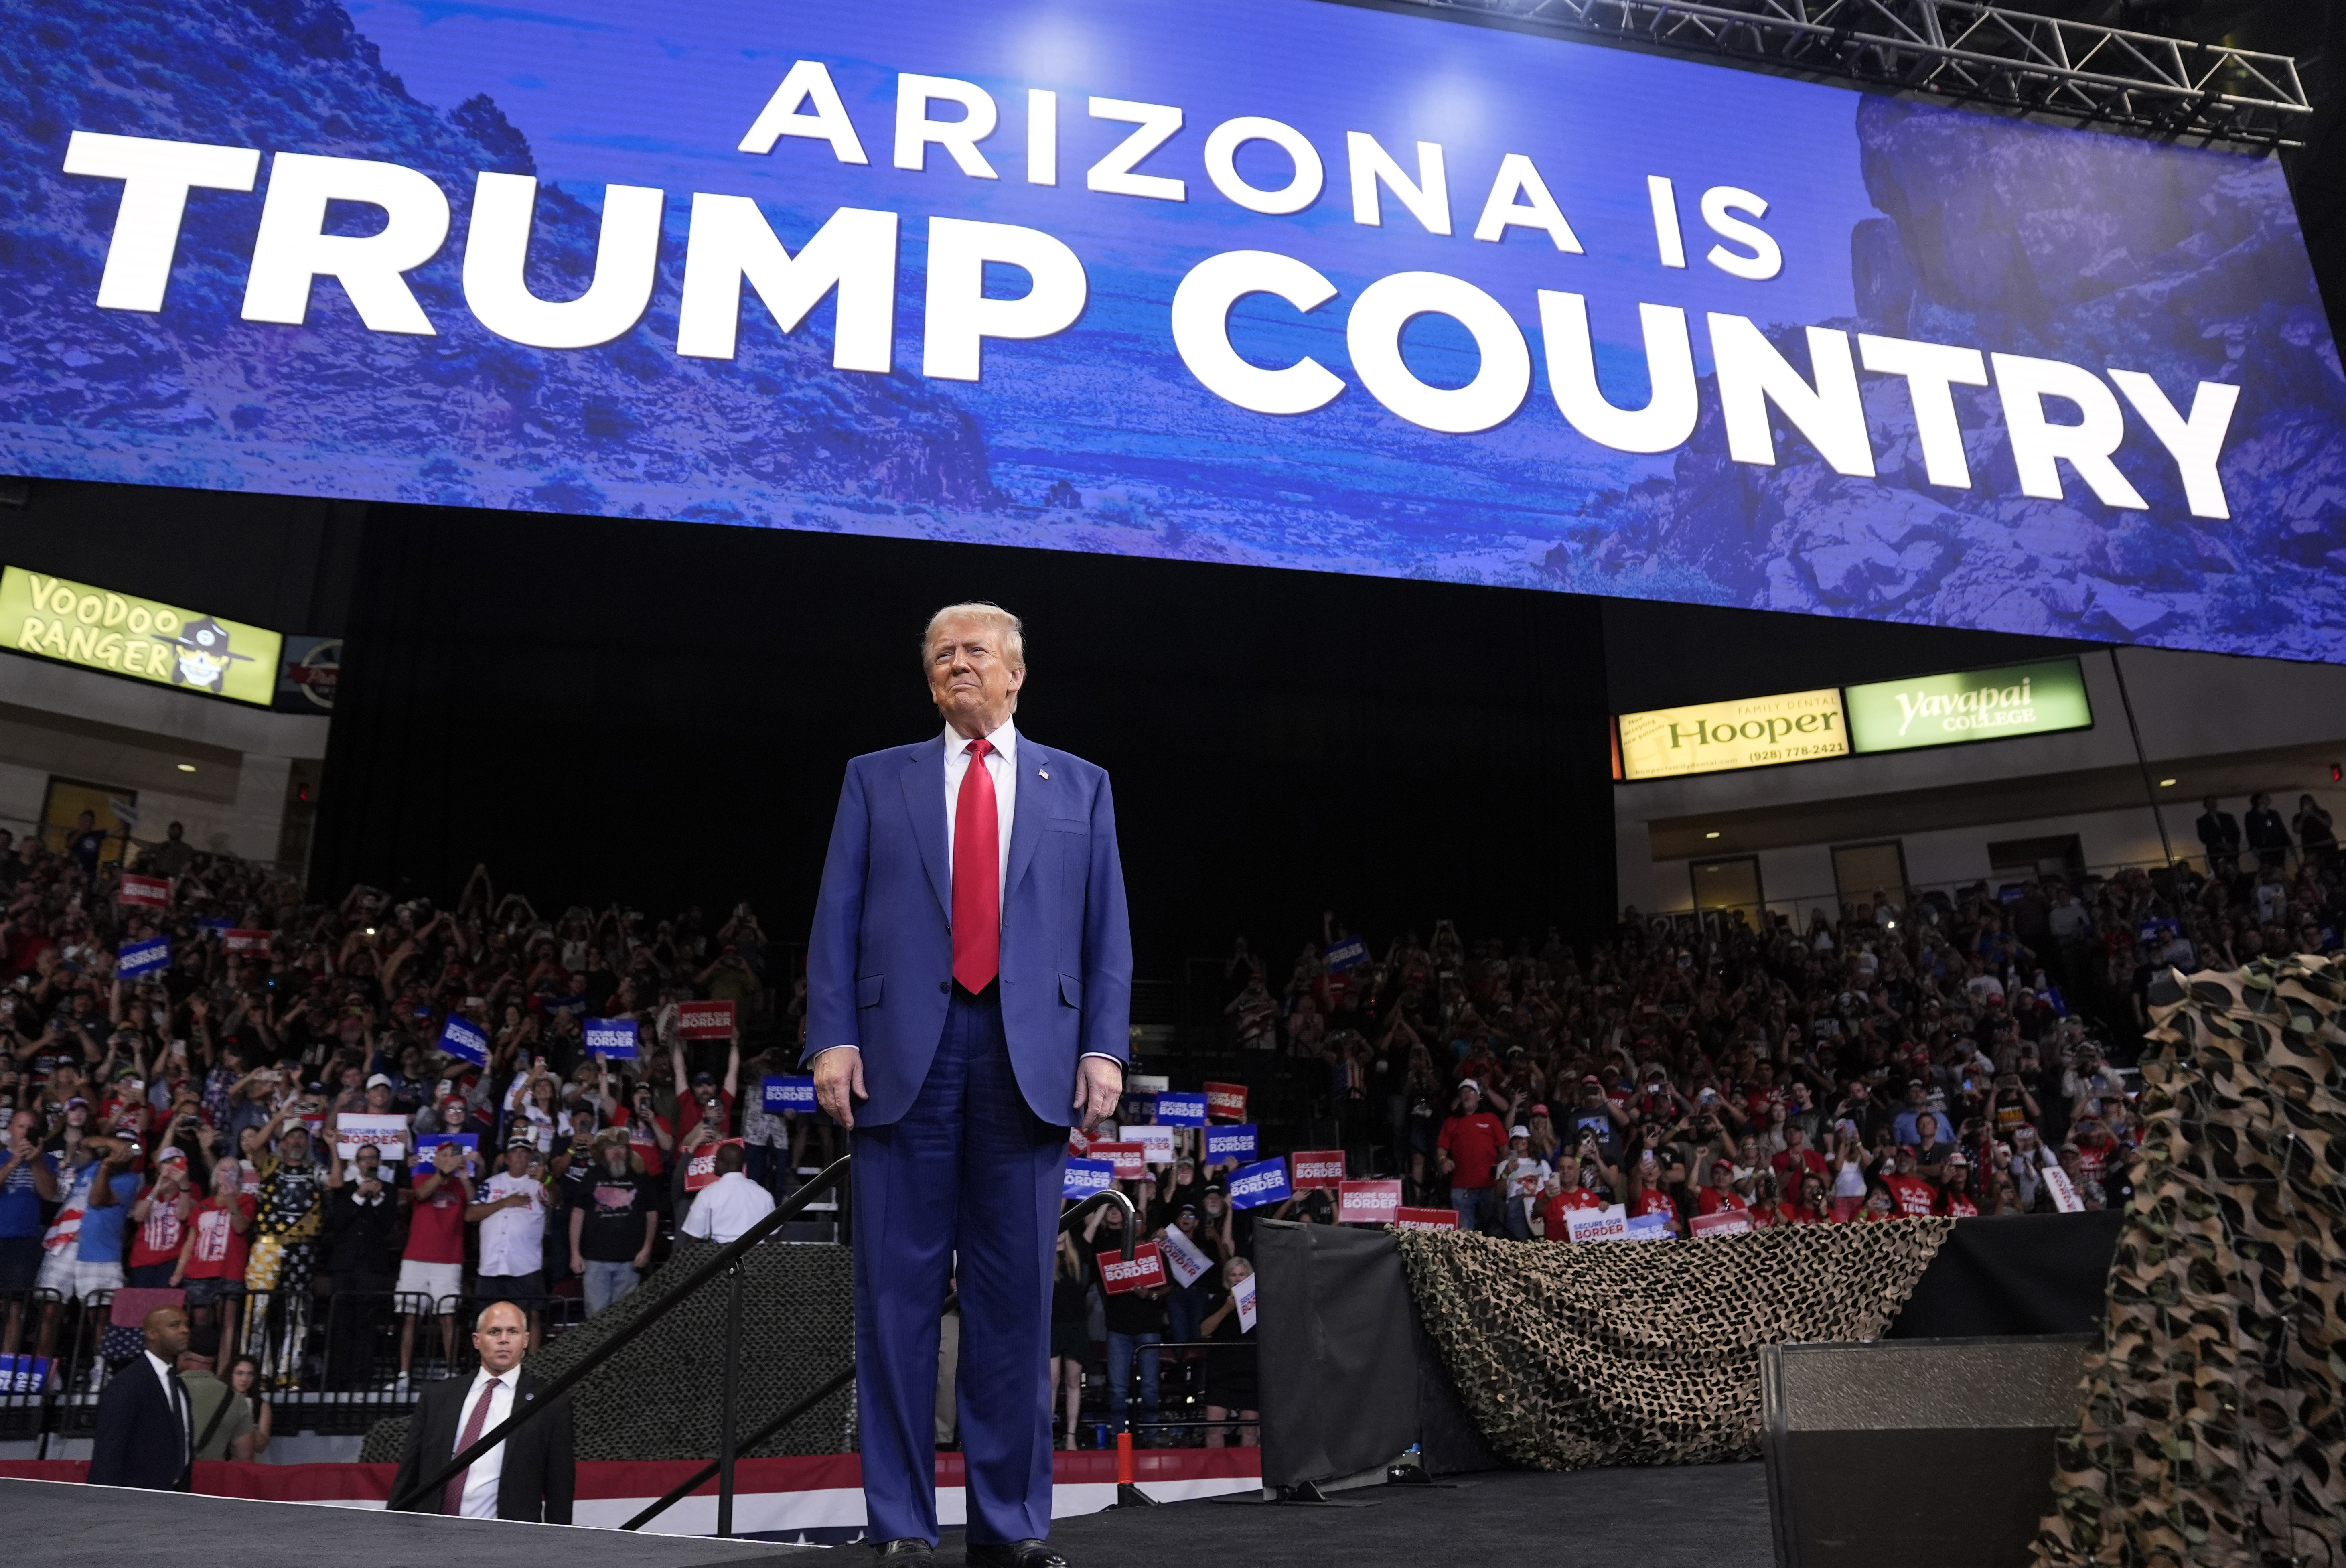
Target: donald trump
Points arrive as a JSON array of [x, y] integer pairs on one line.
[[969, 983]]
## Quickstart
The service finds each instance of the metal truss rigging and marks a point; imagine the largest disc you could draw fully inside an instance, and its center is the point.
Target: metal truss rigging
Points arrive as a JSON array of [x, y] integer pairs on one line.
[[1966, 51]]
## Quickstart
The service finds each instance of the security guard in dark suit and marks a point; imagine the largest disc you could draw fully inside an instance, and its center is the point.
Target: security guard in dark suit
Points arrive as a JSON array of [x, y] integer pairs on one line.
[[143, 1436], [531, 1476]]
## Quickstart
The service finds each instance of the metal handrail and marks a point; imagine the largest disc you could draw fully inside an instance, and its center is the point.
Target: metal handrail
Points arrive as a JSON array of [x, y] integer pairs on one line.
[[725, 1258], [839, 1381]]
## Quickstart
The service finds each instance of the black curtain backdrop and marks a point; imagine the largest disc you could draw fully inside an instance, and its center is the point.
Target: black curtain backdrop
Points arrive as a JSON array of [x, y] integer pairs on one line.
[[659, 712]]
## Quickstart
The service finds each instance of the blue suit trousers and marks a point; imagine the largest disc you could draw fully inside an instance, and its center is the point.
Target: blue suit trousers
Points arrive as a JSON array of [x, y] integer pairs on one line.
[[967, 1183]]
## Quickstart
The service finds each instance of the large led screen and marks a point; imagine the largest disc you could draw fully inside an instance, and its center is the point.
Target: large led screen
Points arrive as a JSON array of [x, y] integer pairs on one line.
[[1273, 281]]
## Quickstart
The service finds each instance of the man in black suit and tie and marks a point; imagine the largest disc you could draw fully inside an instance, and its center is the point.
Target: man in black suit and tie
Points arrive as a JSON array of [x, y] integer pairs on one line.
[[143, 1438], [2220, 835], [529, 1476]]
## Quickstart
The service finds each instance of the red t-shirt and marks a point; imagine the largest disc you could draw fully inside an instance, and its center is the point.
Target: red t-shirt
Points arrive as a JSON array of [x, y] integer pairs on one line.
[[688, 1111], [1475, 1144], [1793, 1213], [1801, 1159], [435, 1230], [2094, 1156], [640, 1139], [159, 1236], [220, 1248], [1957, 1205], [1651, 1201], [1560, 1203], [1912, 1194], [1712, 1201]]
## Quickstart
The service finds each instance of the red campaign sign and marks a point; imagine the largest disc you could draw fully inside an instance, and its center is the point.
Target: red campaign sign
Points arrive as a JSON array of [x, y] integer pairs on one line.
[[244, 942], [704, 1019], [1725, 1222], [1145, 1271], [1131, 1159], [1426, 1218], [1078, 1144], [1321, 1169], [1368, 1202], [700, 1170], [145, 892], [1226, 1101]]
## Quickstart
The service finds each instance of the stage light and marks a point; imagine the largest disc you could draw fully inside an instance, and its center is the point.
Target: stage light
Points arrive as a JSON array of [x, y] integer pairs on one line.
[[2166, 783], [187, 768], [1713, 834], [2336, 773]]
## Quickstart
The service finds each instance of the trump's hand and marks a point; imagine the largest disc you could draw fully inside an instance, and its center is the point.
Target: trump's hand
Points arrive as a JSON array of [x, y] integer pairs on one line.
[[838, 1079], [1099, 1085]]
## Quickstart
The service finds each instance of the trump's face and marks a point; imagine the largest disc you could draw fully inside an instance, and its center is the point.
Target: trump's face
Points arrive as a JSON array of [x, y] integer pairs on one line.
[[971, 683]]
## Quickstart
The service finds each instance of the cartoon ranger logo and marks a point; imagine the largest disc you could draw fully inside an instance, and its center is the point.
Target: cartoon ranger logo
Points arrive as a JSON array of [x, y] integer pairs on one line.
[[204, 655]]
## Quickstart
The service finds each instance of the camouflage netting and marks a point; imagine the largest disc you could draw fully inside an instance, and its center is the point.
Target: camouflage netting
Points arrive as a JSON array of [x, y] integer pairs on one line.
[[1613, 1353], [2211, 1430], [661, 1396]]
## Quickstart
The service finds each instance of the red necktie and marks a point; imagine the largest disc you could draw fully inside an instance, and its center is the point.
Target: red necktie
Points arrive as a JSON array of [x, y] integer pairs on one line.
[[977, 877], [452, 1500]]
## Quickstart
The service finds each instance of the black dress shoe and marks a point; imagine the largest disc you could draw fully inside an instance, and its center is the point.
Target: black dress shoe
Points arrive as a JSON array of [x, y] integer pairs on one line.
[[1015, 1555], [911, 1551]]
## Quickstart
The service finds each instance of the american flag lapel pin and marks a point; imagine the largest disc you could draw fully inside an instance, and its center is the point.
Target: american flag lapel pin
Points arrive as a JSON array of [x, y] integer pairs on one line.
[[1042, 773]]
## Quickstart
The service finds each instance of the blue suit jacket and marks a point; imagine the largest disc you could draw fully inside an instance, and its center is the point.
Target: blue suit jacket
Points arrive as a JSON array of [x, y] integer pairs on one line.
[[879, 959]]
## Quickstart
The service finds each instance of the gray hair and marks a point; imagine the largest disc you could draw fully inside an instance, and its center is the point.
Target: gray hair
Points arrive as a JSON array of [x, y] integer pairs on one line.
[[1012, 629]]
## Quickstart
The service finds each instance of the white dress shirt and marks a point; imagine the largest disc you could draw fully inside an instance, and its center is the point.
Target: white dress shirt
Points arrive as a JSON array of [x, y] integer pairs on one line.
[[1002, 766], [727, 1206], [481, 1479], [513, 1240], [174, 1397]]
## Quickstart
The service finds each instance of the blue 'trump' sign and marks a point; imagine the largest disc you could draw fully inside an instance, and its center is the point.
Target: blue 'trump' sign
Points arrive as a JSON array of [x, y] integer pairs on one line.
[[140, 958], [1349, 954]]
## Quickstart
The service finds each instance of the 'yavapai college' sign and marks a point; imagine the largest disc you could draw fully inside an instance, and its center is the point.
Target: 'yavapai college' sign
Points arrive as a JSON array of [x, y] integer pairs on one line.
[[1974, 705], [1061, 276], [1887, 715]]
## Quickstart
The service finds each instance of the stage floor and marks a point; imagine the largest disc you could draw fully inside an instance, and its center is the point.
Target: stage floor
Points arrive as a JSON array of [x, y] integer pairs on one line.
[[1675, 1516], [1689, 1516], [66, 1524]]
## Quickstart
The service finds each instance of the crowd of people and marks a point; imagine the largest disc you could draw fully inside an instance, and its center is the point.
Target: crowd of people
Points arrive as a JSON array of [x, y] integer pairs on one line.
[[182, 1128], [1933, 1055]]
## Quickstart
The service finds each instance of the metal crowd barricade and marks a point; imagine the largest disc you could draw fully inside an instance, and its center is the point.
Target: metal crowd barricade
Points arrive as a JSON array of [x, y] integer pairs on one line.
[[23, 1408], [80, 1370], [1141, 1424]]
